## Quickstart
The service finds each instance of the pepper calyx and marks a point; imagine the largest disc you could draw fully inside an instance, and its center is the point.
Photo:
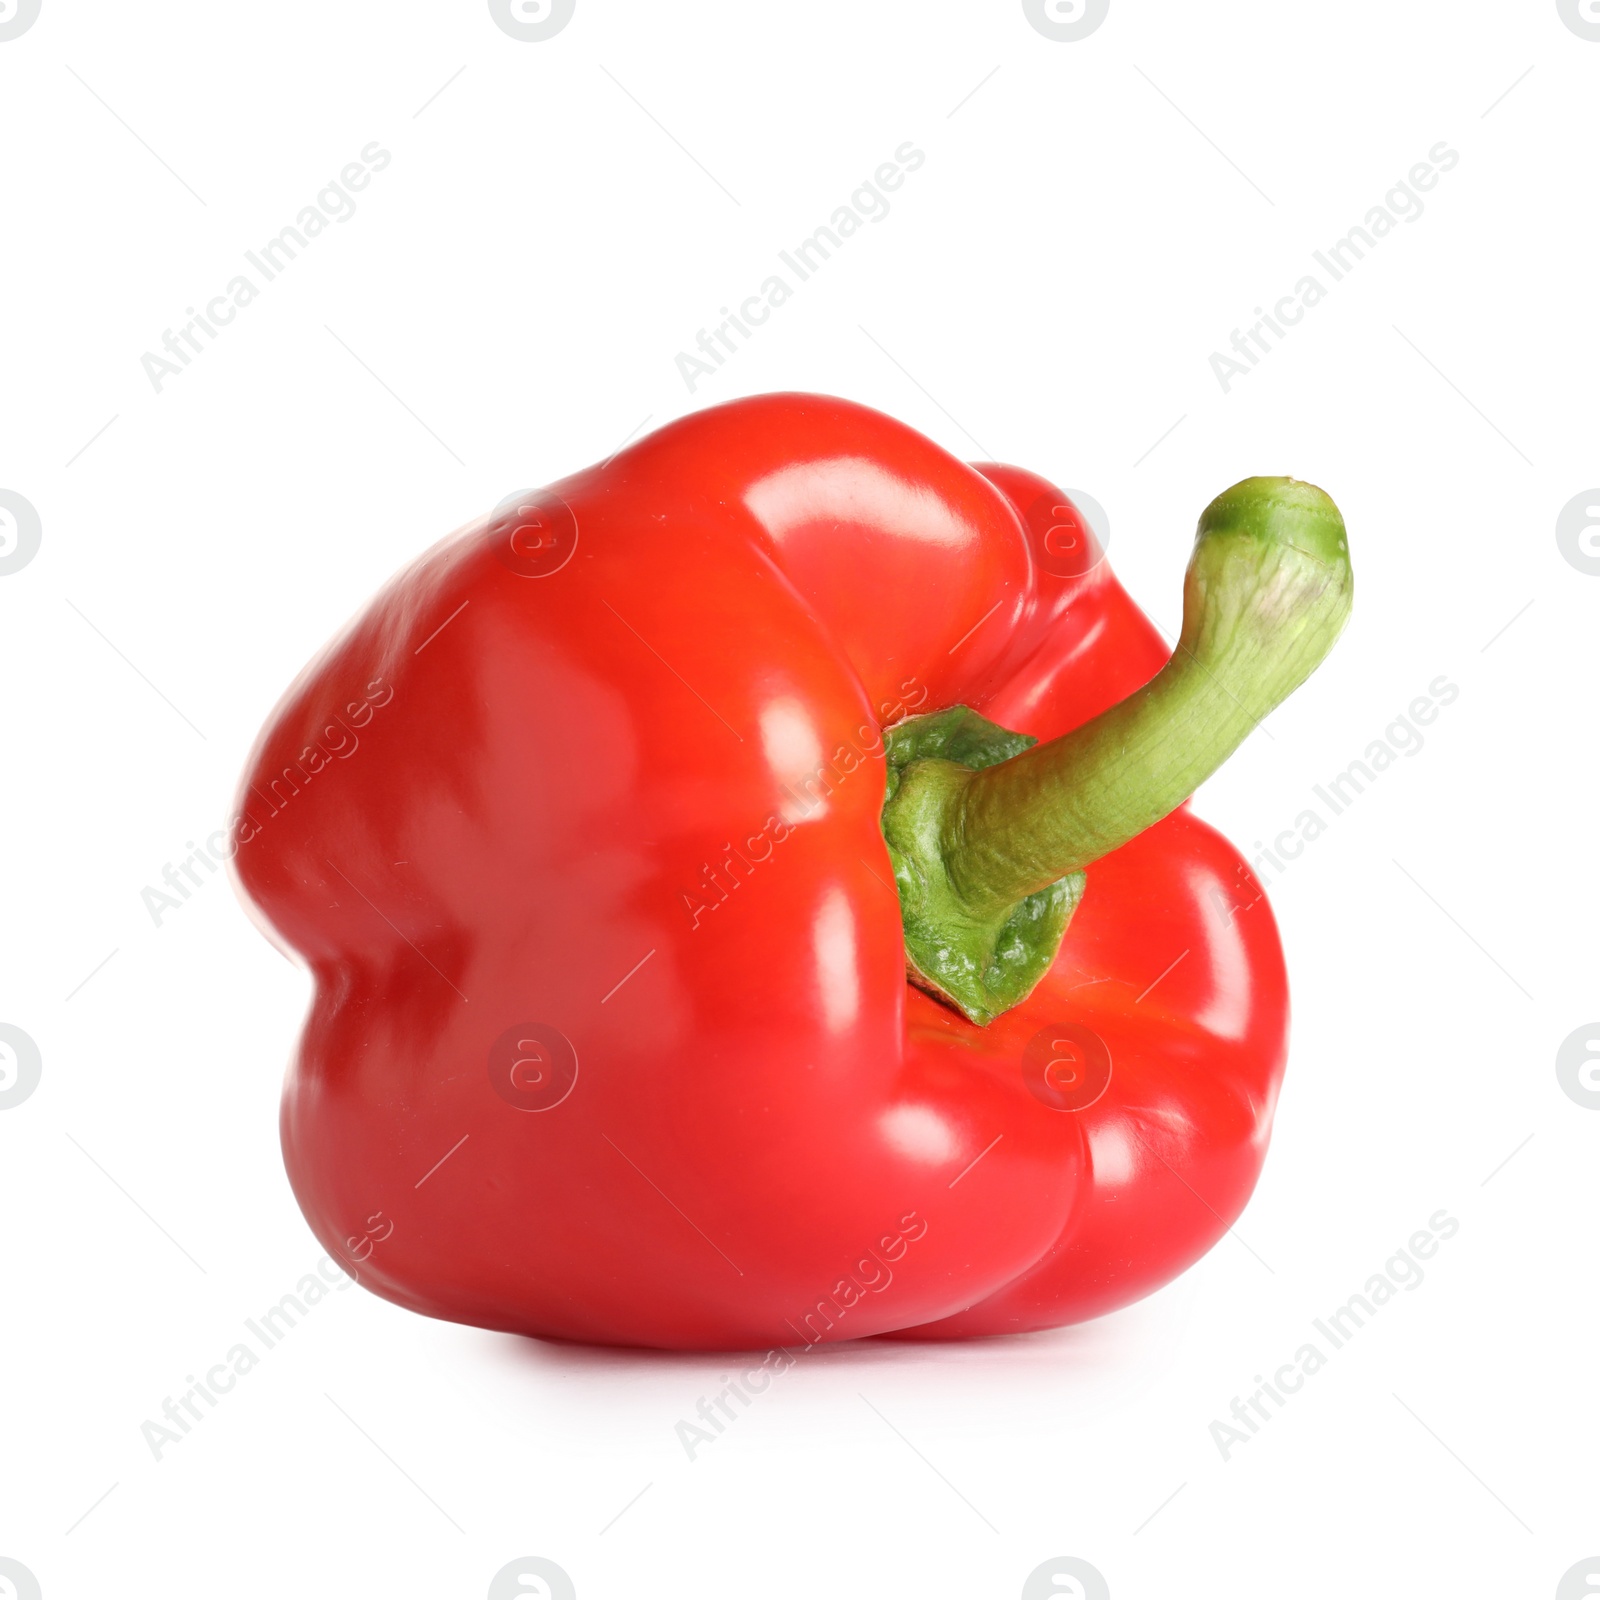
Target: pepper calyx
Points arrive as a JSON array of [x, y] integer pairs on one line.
[[980, 961]]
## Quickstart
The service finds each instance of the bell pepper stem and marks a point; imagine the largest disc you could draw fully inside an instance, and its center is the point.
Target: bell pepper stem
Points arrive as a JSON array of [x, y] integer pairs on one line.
[[1266, 594], [989, 833]]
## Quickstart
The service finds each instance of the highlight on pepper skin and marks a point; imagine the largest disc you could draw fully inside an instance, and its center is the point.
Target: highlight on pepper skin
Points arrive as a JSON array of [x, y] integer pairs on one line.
[[767, 910]]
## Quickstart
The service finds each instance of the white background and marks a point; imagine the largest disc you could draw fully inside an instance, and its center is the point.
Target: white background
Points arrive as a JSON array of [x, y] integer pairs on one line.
[[1092, 222]]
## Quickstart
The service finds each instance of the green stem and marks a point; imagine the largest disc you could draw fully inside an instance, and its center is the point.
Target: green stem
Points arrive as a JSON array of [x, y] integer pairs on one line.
[[1267, 592]]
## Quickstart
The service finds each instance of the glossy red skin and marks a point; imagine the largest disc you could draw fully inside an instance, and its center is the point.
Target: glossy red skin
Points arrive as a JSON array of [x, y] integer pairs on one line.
[[764, 1101]]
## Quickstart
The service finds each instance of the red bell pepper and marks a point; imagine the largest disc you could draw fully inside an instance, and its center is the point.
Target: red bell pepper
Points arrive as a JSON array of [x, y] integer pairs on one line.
[[690, 971]]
